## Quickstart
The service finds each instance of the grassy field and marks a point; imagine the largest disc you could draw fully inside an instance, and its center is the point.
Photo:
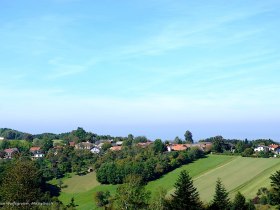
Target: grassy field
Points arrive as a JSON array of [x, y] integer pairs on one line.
[[246, 175], [198, 167]]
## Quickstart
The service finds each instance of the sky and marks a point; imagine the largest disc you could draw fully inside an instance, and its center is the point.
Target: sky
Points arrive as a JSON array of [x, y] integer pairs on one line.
[[147, 67]]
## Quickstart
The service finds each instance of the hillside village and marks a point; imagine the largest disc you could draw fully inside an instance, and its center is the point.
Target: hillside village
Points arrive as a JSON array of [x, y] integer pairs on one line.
[[263, 148], [112, 159]]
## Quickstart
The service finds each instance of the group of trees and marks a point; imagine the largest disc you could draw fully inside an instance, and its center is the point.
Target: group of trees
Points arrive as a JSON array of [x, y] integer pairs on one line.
[[188, 138], [240, 147], [11, 134], [64, 160], [150, 163]]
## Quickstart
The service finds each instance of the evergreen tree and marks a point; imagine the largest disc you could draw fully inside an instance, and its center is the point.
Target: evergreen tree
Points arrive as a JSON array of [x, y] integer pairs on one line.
[[185, 195], [239, 202], [221, 200], [275, 184]]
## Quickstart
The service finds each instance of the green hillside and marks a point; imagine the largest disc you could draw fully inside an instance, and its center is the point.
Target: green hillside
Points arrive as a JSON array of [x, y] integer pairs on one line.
[[237, 173]]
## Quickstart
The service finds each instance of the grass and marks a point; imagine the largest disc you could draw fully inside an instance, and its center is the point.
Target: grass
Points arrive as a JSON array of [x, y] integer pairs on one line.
[[246, 175], [79, 184], [196, 168]]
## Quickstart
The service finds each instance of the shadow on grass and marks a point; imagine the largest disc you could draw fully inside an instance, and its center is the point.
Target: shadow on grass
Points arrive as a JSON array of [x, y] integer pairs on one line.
[[53, 189]]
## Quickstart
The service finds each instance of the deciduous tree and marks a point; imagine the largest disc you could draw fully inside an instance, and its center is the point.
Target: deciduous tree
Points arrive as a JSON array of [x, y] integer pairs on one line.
[[188, 137], [132, 194]]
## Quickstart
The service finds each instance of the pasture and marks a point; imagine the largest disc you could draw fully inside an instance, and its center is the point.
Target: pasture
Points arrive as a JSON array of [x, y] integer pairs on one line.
[[246, 175]]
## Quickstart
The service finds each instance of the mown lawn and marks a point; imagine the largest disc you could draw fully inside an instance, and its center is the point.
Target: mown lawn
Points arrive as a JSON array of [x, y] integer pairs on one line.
[[195, 169], [246, 175]]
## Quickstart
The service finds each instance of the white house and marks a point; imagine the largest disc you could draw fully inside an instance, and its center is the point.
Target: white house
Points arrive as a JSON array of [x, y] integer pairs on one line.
[[36, 152], [1, 138], [95, 150], [261, 148]]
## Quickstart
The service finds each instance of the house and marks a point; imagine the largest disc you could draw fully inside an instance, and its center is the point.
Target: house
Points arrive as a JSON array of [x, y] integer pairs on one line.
[[177, 147], [119, 143], [116, 148], [144, 144], [95, 150], [11, 152], [72, 144], [36, 152], [84, 145], [205, 146], [1, 138], [261, 148], [273, 147]]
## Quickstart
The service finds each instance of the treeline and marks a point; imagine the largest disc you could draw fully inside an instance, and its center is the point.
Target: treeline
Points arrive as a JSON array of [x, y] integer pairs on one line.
[[78, 135], [150, 163], [239, 147]]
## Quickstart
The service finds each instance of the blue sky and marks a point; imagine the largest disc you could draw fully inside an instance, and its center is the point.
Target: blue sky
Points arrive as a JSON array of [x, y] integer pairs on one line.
[[154, 68]]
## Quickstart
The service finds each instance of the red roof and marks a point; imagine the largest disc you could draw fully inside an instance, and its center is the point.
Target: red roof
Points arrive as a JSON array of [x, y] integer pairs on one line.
[[179, 147], [10, 150], [274, 146], [72, 143], [116, 148], [144, 144], [32, 149]]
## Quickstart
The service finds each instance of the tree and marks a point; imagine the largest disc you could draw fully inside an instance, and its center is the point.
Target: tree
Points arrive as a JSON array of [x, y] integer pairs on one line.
[[221, 200], [188, 137], [275, 184], [72, 204], [177, 140], [218, 144], [5, 144], [102, 199], [80, 133], [185, 195], [22, 183], [159, 202], [132, 194], [248, 152], [130, 137], [106, 146], [2, 154], [240, 147], [28, 137], [47, 144], [158, 146], [239, 202]]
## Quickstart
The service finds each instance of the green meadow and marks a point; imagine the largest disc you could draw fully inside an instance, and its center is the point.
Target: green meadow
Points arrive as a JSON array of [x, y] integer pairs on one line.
[[246, 175]]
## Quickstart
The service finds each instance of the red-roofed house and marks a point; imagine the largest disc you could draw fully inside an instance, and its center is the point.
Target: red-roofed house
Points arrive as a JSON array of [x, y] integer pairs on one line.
[[116, 148], [11, 152], [72, 144], [275, 148], [178, 147], [144, 144], [36, 152]]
